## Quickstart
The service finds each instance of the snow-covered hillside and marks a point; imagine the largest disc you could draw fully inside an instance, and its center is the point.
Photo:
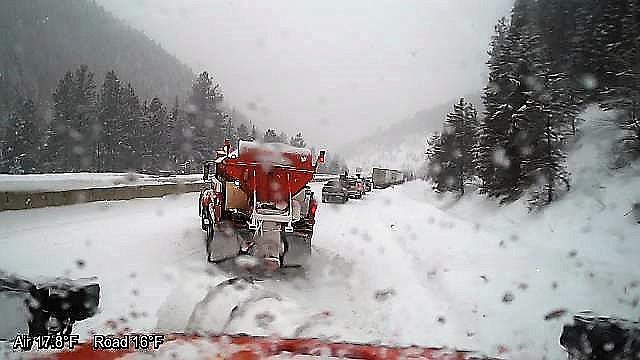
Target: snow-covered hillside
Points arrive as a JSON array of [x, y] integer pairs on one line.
[[402, 144], [407, 154]]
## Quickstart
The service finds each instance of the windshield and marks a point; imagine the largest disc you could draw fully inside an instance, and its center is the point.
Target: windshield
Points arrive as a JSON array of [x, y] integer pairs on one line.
[[320, 178]]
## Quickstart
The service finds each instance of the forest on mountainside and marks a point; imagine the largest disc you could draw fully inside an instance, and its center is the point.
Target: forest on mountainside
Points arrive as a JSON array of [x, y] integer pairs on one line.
[[82, 91], [44, 39], [547, 63]]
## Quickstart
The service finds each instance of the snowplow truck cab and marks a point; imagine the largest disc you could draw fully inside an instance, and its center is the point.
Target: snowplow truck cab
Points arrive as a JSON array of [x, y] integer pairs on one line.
[[257, 202]]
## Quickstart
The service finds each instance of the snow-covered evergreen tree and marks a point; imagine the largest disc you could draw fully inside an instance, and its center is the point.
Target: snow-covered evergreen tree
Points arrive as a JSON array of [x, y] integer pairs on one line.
[[432, 155], [205, 116], [155, 135], [453, 154], [22, 146], [174, 139], [297, 141], [230, 131], [243, 133], [74, 126], [254, 133], [283, 138], [85, 98], [624, 91], [111, 98], [132, 126], [270, 136], [494, 167]]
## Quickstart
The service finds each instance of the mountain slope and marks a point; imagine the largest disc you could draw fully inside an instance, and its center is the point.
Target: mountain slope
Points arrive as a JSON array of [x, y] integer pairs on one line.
[[402, 145], [44, 39]]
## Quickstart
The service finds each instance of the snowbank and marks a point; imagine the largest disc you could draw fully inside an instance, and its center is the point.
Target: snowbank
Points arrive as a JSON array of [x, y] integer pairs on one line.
[[580, 253], [71, 181]]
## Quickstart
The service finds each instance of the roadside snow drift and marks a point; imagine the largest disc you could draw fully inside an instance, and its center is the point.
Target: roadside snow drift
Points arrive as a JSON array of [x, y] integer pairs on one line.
[[72, 181]]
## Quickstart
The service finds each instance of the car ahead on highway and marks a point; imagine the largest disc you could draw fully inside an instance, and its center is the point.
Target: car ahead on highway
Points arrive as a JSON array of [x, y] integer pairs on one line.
[[334, 191], [368, 184], [355, 188]]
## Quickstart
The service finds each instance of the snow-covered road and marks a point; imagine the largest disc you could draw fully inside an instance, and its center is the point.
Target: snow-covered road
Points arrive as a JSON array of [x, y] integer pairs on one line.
[[395, 268]]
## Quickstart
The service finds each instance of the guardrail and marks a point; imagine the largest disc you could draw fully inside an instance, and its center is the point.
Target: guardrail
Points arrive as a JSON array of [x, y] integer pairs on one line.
[[31, 200]]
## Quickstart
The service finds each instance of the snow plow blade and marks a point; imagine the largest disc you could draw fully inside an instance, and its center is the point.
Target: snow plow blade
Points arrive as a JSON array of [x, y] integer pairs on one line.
[[244, 347]]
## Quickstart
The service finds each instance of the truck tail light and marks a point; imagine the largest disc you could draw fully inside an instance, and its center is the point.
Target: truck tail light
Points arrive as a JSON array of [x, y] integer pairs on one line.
[[313, 207]]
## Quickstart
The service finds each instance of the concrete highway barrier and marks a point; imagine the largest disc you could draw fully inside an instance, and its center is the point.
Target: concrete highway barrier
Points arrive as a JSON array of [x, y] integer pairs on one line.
[[31, 200]]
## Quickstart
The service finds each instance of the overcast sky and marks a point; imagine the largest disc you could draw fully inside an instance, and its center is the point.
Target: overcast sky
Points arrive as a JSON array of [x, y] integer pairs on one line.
[[333, 69]]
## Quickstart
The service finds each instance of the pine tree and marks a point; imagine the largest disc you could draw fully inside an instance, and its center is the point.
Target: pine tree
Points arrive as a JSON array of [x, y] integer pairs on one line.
[[155, 136], [74, 128], [468, 140], [543, 165], [432, 156], [298, 141], [609, 35], [205, 116], [84, 95], [254, 133], [230, 131], [556, 31], [581, 52], [174, 136], [283, 138], [60, 139], [270, 136], [512, 77], [243, 133], [22, 148], [624, 94], [454, 151], [109, 108], [127, 131], [494, 129], [543, 120]]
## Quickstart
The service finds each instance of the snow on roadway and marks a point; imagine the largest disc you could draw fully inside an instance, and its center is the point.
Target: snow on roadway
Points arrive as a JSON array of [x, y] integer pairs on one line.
[[401, 266], [391, 268], [131, 246]]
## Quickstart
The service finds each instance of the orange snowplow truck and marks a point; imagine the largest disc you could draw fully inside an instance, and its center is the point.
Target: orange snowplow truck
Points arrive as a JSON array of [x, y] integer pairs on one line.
[[257, 203]]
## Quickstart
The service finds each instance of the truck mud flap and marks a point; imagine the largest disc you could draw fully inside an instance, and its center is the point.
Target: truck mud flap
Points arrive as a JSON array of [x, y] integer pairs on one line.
[[298, 249], [224, 245]]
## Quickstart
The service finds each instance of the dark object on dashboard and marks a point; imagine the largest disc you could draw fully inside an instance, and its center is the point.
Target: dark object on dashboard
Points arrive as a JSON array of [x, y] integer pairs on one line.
[[63, 300], [593, 337]]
